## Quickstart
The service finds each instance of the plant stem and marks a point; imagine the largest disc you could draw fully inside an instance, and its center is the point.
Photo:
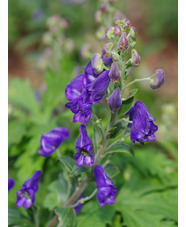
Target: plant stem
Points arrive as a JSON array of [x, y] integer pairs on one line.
[[136, 80]]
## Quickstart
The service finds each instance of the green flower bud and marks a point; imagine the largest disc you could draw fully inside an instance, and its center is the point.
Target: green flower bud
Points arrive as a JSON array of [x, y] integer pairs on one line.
[[109, 32], [97, 63]]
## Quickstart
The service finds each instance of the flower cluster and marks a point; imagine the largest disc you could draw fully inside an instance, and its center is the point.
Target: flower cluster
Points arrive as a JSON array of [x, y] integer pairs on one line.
[[88, 88], [26, 195]]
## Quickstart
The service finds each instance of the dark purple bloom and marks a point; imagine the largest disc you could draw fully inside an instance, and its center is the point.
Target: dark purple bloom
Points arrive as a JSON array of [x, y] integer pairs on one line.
[[105, 188], [157, 79], [26, 195], [10, 184], [83, 146], [142, 128], [51, 140], [114, 101], [99, 87], [78, 207]]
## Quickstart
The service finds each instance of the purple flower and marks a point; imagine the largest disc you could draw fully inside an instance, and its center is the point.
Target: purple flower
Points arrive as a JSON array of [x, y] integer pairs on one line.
[[107, 61], [37, 15], [114, 101], [10, 184], [157, 79], [83, 146], [142, 128], [78, 207], [105, 188], [26, 195], [75, 88], [99, 87], [51, 140]]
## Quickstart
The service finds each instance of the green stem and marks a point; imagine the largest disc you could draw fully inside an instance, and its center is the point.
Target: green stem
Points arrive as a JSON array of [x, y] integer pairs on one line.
[[136, 80], [84, 199]]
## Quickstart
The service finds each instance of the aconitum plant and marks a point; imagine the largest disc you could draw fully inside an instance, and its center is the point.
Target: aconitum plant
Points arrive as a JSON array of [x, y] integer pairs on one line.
[[104, 77]]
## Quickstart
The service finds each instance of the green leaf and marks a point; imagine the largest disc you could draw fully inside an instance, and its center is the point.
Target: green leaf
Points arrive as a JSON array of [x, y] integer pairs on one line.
[[68, 163], [117, 129], [57, 194], [66, 217], [16, 131], [111, 170], [21, 94], [93, 215], [131, 94], [126, 104], [15, 217], [121, 147]]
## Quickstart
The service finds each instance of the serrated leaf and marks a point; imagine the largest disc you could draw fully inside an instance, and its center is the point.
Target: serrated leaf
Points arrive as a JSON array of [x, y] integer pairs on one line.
[[121, 147], [66, 217], [15, 217], [131, 93], [126, 104], [111, 170], [93, 215]]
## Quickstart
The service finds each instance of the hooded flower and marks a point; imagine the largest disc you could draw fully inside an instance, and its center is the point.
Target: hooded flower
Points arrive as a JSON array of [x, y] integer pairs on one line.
[[142, 128], [99, 87], [105, 188], [114, 101], [10, 184], [157, 79], [78, 207], [26, 195], [51, 140], [83, 146]]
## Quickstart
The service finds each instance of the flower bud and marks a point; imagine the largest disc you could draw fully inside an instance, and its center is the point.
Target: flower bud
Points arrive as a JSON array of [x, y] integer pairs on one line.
[[114, 101], [115, 56], [103, 7], [117, 30], [123, 42], [97, 63], [109, 32], [117, 20], [107, 50], [114, 73], [98, 17], [157, 79], [133, 32], [127, 23], [135, 59]]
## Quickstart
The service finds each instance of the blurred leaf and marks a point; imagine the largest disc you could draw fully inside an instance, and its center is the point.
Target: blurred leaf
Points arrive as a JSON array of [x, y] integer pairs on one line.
[[21, 94], [111, 170], [140, 210], [93, 215], [121, 147], [57, 194], [119, 127], [16, 131], [15, 217], [68, 163], [66, 217]]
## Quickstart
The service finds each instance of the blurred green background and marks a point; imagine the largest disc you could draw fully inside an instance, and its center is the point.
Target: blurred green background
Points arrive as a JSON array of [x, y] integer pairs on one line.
[[45, 52]]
